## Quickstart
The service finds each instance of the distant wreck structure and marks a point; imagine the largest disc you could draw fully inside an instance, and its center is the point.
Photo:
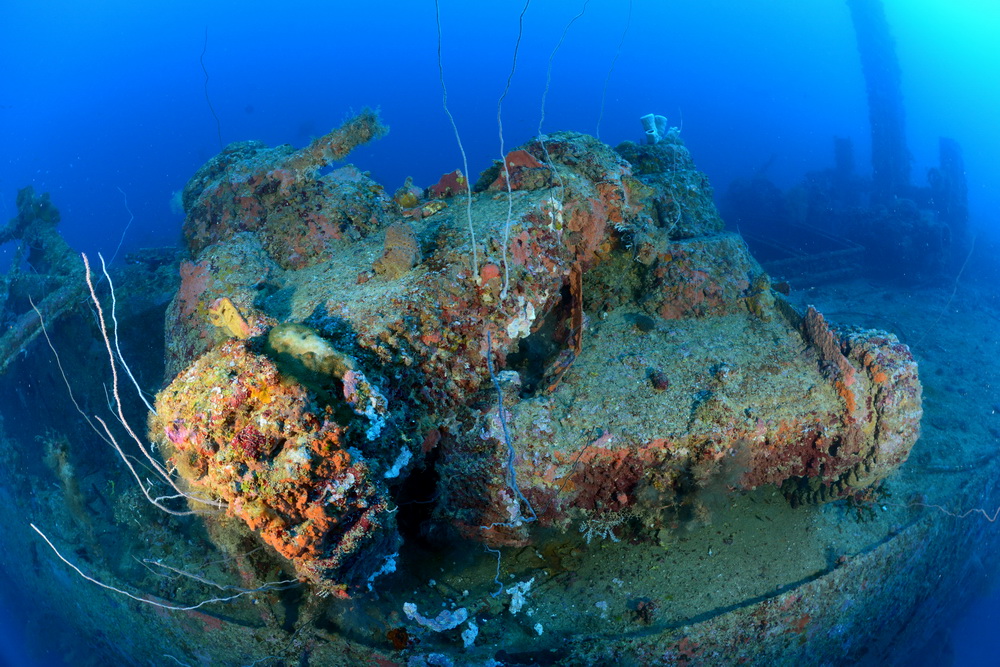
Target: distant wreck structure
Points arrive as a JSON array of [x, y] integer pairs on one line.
[[838, 222], [883, 77], [43, 276]]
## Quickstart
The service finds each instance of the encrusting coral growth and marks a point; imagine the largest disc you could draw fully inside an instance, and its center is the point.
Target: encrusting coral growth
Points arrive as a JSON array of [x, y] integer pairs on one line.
[[264, 445]]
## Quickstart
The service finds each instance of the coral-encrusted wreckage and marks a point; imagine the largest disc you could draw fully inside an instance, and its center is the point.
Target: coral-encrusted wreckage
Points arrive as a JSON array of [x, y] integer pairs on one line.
[[43, 277], [328, 341]]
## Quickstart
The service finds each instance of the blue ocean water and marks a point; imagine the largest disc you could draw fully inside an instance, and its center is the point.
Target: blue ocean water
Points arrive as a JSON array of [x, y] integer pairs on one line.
[[112, 106], [99, 100]]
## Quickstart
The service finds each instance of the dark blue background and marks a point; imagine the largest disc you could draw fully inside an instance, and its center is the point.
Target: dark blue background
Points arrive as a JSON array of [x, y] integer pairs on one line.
[[105, 95]]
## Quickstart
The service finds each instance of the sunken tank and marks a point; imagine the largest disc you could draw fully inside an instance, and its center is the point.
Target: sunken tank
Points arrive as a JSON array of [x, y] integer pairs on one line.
[[565, 418]]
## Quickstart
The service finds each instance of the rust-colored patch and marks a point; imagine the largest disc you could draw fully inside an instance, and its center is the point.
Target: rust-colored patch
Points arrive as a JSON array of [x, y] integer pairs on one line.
[[449, 185]]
